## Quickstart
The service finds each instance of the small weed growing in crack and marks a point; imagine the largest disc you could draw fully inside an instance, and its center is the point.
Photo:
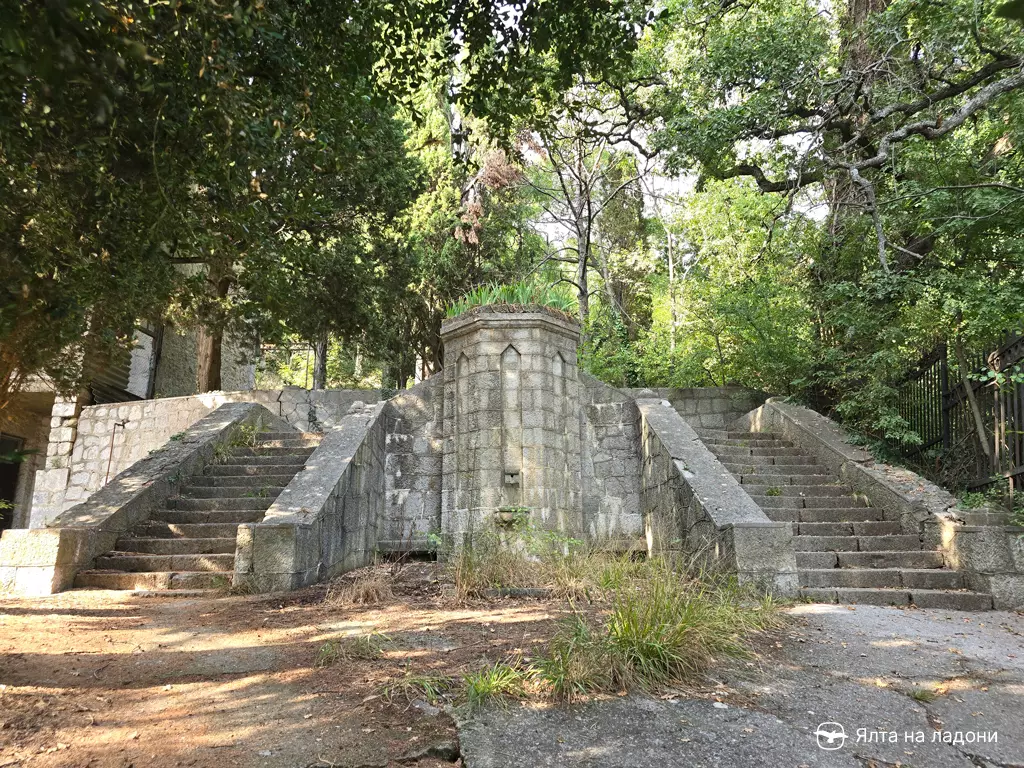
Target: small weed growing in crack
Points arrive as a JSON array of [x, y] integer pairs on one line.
[[923, 695], [773, 491]]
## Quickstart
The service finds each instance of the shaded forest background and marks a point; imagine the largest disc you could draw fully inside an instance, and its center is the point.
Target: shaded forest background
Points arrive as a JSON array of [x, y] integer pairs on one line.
[[800, 197]]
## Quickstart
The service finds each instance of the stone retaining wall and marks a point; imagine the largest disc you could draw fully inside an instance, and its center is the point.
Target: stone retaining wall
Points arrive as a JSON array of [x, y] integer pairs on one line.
[[692, 504], [100, 441], [611, 465], [413, 455], [325, 521], [705, 407]]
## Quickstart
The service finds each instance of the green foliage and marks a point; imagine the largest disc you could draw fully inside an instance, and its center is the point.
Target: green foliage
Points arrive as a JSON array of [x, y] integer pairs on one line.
[[516, 295], [663, 627], [497, 681]]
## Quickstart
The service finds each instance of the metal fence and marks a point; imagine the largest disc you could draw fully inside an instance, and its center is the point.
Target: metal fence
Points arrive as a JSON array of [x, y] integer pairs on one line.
[[936, 405]]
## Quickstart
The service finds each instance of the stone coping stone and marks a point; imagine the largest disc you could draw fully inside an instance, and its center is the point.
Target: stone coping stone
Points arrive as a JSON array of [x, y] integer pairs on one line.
[[714, 486], [466, 323], [306, 496]]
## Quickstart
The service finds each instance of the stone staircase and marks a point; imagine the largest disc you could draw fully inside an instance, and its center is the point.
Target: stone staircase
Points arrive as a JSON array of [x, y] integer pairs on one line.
[[190, 544], [846, 551]]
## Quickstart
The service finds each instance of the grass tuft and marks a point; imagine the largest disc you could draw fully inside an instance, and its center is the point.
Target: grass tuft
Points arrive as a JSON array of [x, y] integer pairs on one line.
[[430, 688], [364, 648], [522, 293], [370, 586]]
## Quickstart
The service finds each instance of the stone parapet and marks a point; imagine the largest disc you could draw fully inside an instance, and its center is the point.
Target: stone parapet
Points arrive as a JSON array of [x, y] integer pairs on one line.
[[692, 504], [325, 521], [981, 545]]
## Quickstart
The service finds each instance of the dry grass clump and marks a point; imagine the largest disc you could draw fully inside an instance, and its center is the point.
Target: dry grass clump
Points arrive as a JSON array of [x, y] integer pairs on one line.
[[363, 648], [368, 586], [663, 622]]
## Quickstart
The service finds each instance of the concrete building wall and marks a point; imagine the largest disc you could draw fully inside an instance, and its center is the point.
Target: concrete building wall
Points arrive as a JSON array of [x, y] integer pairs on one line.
[[177, 372]]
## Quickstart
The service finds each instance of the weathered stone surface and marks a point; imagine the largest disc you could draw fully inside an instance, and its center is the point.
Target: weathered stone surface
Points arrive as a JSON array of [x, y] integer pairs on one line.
[[692, 502], [638, 732], [47, 559], [857, 668]]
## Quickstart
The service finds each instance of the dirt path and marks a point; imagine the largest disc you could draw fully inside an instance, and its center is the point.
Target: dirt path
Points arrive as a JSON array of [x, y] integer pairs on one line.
[[104, 679]]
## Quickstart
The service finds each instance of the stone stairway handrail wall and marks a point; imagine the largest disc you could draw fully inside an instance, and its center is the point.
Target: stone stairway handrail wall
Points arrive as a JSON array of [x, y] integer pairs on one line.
[[981, 545], [325, 521], [692, 503], [40, 561]]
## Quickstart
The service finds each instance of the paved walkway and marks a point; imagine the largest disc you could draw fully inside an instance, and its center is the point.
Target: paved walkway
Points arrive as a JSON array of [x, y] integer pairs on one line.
[[873, 670]]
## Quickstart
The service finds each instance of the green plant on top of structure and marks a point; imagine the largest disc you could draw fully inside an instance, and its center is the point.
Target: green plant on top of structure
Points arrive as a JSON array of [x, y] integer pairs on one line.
[[519, 294]]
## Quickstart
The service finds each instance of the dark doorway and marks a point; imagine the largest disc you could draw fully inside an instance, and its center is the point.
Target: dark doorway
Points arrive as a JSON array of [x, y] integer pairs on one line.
[[10, 465]]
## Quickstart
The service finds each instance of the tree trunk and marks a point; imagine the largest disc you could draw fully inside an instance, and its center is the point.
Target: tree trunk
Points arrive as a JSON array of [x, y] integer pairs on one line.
[[320, 361], [209, 347], [209, 351]]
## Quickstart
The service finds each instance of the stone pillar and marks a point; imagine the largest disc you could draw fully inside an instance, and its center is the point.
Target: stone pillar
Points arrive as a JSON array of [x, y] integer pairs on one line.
[[511, 420], [52, 480]]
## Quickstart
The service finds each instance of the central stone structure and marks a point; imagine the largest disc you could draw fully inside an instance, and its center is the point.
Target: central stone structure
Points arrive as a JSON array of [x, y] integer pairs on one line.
[[512, 421]]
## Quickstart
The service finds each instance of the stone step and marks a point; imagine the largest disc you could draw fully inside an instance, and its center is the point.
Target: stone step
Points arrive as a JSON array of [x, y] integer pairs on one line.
[[781, 481], [725, 442], [807, 502], [189, 580], [254, 491], [218, 504], [234, 516], [898, 543], [956, 601], [841, 515], [176, 546], [734, 435], [243, 483], [312, 441], [278, 460], [797, 491], [292, 435], [912, 559], [766, 473], [250, 470], [117, 562], [153, 529], [759, 452], [872, 528], [881, 578], [303, 451]]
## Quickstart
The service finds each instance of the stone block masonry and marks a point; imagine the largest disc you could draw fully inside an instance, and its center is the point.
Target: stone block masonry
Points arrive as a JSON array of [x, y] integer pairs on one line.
[[91, 445], [512, 421], [692, 504]]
